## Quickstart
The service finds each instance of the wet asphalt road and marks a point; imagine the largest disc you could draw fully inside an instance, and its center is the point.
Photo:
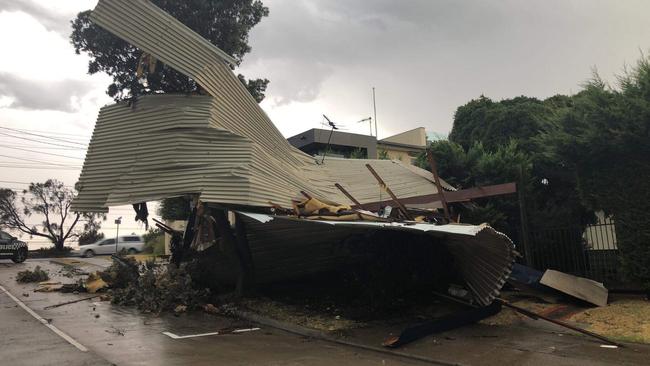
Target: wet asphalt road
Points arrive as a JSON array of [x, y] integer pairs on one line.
[[123, 336]]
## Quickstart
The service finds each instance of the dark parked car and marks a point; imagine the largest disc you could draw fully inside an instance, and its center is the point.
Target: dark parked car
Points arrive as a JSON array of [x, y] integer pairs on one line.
[[12, 248]]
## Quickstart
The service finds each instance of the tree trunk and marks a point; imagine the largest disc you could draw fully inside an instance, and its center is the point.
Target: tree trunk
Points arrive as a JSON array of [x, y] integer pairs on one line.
[[58, 245]]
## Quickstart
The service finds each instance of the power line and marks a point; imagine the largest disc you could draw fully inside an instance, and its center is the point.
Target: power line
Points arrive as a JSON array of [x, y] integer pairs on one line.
[[37, 167], [36, 161], [43, 136], [33, 140], [44, 147], [18, 182], [46, 153], [50, 132]]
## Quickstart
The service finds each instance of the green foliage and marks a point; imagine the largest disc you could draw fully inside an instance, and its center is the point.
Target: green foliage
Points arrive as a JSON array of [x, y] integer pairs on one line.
[[496, 123], [382, 155], [175, 208], [492, 141], [50, 252], [90, 236], [358, 153], [605, 140], [37, 275], [225, 24], [478, 166], [154, 242]]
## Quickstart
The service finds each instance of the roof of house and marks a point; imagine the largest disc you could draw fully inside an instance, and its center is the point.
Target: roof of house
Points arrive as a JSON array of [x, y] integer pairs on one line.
[[416, 137]]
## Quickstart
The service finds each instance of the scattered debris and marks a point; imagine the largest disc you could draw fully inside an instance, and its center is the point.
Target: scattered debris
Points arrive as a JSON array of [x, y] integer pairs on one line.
[[49, 287], [210, 309], [153, 287], [37, 275], [70, 270], [582, 288], [70, 302], [95, 283], [442, 324], [292, 314], [535, 316], [219, 332], [180, 309], [116, 331], [625, 319]]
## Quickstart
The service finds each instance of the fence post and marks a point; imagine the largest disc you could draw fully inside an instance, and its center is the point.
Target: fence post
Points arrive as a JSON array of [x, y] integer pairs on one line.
[[524, 219]]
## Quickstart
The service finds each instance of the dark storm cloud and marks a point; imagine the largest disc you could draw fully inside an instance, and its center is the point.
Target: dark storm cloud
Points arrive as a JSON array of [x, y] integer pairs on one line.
[[313, 38], [427, 57], [42, 94]]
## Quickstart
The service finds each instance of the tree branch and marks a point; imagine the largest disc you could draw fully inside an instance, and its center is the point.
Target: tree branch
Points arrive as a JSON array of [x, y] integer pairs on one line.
[[71, 227]]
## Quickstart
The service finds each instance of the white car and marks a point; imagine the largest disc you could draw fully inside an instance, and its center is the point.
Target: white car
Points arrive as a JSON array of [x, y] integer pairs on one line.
[[131, 243]]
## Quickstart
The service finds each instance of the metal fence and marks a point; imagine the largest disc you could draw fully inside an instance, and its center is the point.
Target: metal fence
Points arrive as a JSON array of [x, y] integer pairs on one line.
[[590, 253]]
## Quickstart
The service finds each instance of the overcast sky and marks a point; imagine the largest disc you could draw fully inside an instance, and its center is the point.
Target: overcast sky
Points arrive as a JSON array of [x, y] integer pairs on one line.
[[424, 57]]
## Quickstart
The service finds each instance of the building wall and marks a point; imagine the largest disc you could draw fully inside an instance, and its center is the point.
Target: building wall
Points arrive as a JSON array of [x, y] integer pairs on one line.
[[400, 155], [415, 137], [315, 141]]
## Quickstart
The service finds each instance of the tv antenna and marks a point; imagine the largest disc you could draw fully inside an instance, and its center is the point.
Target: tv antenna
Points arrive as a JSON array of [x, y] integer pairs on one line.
[[369, 119], [329, 138]]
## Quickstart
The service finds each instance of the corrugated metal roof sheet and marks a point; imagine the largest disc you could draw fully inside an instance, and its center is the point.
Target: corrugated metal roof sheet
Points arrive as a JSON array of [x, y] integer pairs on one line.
[[221, 146], [484, 256], [224, 148]]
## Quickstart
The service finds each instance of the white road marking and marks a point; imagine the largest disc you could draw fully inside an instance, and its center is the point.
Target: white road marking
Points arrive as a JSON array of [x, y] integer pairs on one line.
[[56, 330], [175, 336]]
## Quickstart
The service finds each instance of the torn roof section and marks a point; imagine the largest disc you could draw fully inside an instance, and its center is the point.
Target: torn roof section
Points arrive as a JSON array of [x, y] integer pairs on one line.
[[222, 147]]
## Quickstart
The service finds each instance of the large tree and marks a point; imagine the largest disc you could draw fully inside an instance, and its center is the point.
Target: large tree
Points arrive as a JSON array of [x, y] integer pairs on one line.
[[49, 201], [225, 23], [605, 141], [493, 140]]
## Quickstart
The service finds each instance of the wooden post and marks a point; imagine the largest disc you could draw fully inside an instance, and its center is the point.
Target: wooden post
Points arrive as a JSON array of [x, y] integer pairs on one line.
[[436, 179], [390, 193], [230, 245], [244, 254], [348, 195]]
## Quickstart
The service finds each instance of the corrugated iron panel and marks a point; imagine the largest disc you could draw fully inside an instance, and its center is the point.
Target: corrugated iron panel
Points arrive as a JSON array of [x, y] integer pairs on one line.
[[222, 147], [283, 247]]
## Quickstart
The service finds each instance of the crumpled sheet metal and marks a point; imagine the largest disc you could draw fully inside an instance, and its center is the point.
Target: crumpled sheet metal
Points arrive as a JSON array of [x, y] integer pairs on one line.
[[222, 147], [484, 256]]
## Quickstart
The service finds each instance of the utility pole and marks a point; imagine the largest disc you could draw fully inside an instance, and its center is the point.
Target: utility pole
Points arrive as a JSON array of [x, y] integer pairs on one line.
[[374, 107], [118, 221]]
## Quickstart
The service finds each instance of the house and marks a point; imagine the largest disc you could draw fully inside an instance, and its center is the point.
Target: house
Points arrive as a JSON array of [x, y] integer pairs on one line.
[[405, 146], [341, 144]]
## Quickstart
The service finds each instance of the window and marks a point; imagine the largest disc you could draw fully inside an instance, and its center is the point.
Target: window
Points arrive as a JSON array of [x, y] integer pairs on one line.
[[108, 242], [131, 238]]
